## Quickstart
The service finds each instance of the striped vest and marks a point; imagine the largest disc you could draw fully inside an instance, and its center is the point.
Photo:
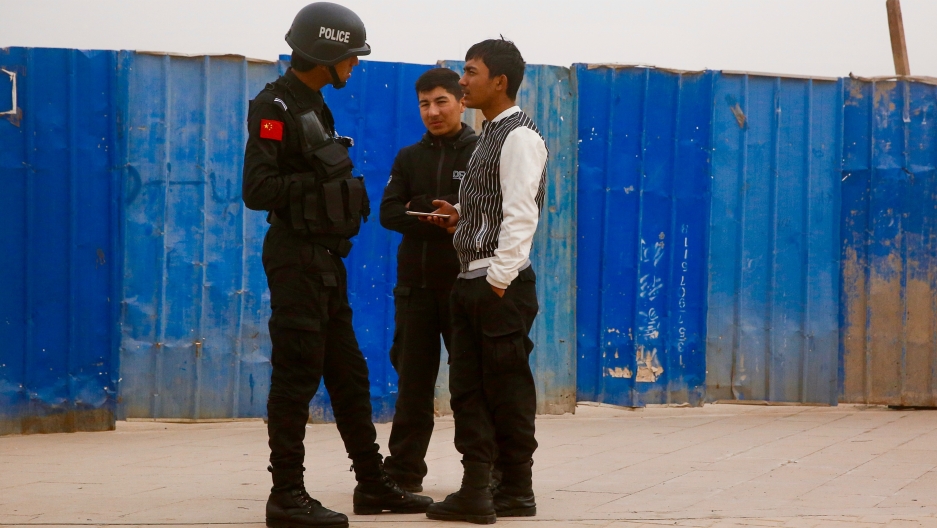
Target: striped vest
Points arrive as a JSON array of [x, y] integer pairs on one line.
[[480, 194]]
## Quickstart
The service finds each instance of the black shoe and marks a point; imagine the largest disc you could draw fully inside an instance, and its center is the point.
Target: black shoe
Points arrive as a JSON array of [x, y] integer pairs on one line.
[[472, 503], [508, 504], [296, 509], [373, 497], [468, 504], [514, 494]]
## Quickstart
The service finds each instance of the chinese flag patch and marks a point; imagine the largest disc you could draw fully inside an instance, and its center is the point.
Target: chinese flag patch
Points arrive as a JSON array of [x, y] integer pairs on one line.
[[271, 129]]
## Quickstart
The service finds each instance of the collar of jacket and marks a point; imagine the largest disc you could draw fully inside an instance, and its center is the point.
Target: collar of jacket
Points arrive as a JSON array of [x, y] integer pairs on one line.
[[466, 137], [304, 96]]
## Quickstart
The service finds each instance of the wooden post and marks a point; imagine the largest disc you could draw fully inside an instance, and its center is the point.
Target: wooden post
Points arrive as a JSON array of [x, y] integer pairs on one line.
[[899, 49]]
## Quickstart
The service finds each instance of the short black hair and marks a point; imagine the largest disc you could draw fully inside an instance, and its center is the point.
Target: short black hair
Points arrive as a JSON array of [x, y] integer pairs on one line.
[[300, 64], [502, 58], [440, 78]]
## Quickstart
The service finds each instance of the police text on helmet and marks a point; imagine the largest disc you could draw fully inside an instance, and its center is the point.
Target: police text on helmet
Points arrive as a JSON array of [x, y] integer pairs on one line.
[[334, 34]]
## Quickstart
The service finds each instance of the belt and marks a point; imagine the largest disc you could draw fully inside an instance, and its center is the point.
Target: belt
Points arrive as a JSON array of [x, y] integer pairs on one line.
[[339, 245]]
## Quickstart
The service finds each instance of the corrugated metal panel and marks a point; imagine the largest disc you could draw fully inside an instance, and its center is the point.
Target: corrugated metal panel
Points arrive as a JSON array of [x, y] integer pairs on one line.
[[773, 253], [549, 96], [58, 228], [194, 342], [643, 207], [196, 304], [889, 252]]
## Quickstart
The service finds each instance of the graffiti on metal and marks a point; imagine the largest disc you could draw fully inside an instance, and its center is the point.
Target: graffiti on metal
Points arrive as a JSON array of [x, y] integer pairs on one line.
[[642, 213]]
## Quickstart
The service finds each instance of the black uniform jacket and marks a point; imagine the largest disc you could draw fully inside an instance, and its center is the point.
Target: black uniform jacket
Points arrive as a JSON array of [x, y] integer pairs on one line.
[[270, 161], [429, 170]]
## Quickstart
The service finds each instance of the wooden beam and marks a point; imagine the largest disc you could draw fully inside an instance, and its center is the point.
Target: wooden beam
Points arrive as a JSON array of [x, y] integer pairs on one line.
[[899, 48]]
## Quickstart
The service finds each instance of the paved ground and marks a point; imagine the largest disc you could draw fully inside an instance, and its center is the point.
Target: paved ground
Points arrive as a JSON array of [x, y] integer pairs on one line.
[[721, 465]]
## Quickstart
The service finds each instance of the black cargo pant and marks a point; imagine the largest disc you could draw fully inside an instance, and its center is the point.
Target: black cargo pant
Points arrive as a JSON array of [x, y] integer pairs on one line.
[[494, 400], [422, 315], [312, 339]]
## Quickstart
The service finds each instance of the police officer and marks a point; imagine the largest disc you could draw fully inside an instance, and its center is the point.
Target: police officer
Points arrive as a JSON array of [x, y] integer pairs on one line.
[[297, 169], [427, 265]]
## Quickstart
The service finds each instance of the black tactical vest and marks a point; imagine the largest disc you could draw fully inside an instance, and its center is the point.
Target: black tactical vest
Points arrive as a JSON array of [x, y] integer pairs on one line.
[[333, 202]]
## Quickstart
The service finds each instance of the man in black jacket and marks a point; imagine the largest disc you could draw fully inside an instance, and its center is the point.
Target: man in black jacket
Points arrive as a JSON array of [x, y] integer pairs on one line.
[[427, 265]]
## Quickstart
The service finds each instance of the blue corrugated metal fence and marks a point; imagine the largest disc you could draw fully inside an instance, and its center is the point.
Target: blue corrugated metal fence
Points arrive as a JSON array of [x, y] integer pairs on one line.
[[772, 330], [889, 250], [691, 230], [59, 240], [194, 322], [643, 210], [751, 271], [194, 340], [196, 301]]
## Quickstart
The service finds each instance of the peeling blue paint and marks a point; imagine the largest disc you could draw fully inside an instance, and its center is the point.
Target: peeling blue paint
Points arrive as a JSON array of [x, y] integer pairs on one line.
[[643, 209], [889, 246]]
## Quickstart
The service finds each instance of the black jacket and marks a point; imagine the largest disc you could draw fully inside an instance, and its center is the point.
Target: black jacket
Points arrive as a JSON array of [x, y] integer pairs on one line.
[[429, 170], [269, 163]]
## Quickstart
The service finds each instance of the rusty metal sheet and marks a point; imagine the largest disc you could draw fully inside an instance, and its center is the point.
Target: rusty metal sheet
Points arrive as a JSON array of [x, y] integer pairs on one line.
[[889, 247]]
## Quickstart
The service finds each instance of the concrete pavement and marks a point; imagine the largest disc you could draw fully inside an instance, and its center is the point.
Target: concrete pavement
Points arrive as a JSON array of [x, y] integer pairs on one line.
[[716, 466]]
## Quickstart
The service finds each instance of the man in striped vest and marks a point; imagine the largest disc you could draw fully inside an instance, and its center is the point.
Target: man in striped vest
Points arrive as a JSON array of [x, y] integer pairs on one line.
[[494, 301]]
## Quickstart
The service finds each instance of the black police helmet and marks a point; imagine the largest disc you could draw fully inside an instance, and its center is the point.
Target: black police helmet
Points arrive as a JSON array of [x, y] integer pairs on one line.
[[326, 33]]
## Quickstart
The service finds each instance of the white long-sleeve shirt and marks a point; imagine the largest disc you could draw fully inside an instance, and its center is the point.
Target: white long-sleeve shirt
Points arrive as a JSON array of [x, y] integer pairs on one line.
[[523, 157]]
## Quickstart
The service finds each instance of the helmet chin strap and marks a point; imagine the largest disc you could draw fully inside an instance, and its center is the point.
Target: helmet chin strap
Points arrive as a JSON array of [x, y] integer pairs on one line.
[[337, 83]]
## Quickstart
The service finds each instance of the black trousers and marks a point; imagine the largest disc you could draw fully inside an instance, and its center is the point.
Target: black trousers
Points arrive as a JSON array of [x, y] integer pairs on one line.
[[422, 315], [494, 400], [313, 338]]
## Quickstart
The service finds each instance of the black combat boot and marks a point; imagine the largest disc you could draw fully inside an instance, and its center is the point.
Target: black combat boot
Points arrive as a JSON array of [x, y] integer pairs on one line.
[[296, 509], [376, 492], [514, 495], [472, 503], [289, 506]]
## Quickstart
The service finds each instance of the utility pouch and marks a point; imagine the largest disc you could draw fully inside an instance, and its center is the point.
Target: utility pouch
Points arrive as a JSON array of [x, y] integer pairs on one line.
[[358, 202], [321, 149], [314, 133], [334, 201], [333, 158]]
